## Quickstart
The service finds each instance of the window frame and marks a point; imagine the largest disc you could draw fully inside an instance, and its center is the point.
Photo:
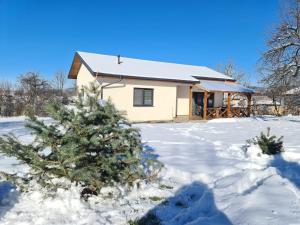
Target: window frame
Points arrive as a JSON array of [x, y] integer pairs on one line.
[[143, 97]]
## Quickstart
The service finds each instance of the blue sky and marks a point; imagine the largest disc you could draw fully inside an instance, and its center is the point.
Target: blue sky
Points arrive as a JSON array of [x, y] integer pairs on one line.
[[43, 35]]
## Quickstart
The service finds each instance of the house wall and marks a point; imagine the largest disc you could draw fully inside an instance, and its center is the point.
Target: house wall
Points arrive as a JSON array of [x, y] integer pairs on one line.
[[84, 77], [183, 100], [170, 99], [165, 103], [164, 99], [218, 101], [196, 89]]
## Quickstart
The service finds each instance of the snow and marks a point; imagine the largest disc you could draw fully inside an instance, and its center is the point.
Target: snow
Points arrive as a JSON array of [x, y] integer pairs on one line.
[[108, 64], [210, 177], [224, 87], [293, 91]]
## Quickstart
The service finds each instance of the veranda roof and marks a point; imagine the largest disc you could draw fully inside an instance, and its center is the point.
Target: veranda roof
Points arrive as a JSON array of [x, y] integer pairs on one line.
[[222, 86]]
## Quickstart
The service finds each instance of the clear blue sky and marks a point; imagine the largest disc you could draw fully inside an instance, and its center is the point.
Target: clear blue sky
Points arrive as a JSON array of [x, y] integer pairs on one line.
[[43, 35]]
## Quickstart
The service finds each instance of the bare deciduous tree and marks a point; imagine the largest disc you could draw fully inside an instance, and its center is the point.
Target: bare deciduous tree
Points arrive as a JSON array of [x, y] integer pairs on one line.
[[231, 70], [59, 82], [30, 94], [6, 99], [35, 90], [280, 64]]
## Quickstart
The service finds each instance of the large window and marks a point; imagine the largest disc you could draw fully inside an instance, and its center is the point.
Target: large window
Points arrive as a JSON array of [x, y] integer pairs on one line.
[[143, 97]]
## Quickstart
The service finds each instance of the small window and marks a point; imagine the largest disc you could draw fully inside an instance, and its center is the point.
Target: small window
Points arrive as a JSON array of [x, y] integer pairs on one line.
[[143, 97]]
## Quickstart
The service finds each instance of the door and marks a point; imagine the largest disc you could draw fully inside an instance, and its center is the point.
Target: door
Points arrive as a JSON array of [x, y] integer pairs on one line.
[[198, 99], [197, 106]]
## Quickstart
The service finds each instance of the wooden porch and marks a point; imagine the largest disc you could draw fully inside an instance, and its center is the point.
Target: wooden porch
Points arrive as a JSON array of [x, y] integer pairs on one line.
[[205, 112]]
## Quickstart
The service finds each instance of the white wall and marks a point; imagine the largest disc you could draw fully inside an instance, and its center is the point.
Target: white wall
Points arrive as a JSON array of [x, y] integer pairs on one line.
[[170, 98], [164, 99], [84, 77], [121, 94], [218, 101], [183, 100]]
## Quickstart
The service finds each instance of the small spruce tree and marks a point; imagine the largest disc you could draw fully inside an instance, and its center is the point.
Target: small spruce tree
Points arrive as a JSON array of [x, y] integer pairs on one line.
[[89, 143], [268, 144]]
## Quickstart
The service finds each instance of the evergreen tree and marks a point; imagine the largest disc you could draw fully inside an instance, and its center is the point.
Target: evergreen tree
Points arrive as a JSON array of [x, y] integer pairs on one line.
[[268, 144], [89, 143]]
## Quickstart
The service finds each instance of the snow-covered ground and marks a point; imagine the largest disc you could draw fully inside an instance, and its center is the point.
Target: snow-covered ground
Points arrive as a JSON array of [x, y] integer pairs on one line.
[[208, 179]]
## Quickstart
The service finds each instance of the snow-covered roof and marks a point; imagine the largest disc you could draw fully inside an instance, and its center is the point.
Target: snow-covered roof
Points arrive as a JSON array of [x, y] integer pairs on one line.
[[293, 91], [263, 100], [266, 102], [108, 64], [210, 85]]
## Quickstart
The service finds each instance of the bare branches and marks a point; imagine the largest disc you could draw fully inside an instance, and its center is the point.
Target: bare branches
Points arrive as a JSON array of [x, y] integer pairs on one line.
[[231, 70], [59, 82], [35, 91], [6, 99], [31, 94], [281, 62]]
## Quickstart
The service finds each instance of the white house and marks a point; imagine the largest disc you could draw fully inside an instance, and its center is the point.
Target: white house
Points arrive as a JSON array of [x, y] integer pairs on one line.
[[159, 91]]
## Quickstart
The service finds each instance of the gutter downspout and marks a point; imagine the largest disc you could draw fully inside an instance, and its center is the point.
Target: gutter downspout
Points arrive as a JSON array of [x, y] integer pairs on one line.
[[109, 84]]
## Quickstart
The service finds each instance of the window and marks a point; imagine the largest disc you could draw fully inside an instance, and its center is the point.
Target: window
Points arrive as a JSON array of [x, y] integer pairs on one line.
[[143, 97], [210, 100]]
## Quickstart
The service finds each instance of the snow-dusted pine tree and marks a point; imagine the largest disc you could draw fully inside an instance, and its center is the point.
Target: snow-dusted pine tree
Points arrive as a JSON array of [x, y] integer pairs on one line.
[[269, 144], [89, 143]]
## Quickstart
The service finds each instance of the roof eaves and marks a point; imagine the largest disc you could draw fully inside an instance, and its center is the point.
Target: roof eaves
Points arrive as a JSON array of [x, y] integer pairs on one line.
[[148, 78], [81, 60], [213, 78], [85, 63]]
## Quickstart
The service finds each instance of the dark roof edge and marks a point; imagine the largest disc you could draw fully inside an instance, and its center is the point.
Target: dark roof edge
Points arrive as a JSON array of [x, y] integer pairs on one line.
[[212, 78], [146, 78], [85, 63], [82, 61]]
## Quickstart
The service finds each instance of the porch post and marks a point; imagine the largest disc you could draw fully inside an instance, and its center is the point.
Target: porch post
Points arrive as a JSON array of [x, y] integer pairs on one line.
[[228, 104], [190, 102], [205, 105], [249, 104]]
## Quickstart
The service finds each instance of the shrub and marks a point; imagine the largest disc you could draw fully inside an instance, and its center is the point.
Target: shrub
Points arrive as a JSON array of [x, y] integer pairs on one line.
[[268, 144], [90, 143], [148, 219]]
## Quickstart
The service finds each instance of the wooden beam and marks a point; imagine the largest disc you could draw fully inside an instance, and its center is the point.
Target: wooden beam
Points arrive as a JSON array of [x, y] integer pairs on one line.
[[74, 70], [249, 104], [217, 112], [230, 82], [228, 104], [205, 105], [190, 102]]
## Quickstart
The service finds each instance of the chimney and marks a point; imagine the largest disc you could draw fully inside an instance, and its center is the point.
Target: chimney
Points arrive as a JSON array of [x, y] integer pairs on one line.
[[119, 59]]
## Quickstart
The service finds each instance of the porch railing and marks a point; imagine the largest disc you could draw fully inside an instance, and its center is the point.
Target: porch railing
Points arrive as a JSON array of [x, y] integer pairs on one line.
[[222, 112]]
